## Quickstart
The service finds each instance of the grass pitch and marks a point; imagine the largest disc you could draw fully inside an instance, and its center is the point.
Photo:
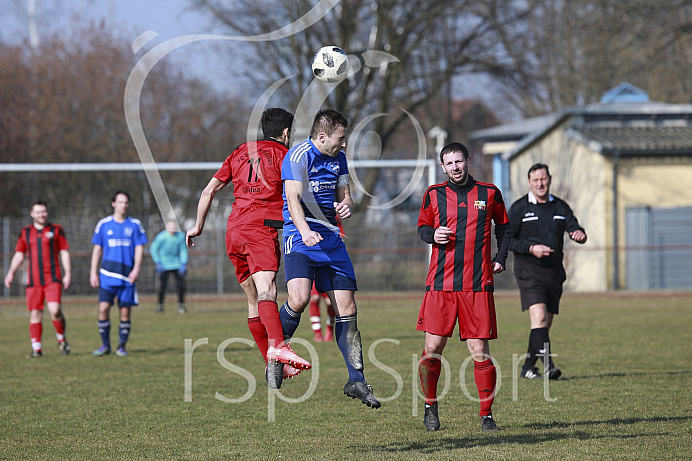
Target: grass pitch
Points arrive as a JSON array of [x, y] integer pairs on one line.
[[626, 361]]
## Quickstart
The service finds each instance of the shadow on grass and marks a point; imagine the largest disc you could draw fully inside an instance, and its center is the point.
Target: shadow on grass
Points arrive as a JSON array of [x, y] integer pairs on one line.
[[444, 444], [451, 443], [435, 444], [165, 350], [627, 375], [613, 422]]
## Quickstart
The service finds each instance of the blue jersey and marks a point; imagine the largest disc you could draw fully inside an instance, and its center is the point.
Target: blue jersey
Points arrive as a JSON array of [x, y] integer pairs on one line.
[[118, 241], [320, 175]]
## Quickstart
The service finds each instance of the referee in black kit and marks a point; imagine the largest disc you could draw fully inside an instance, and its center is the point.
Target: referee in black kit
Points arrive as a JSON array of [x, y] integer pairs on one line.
[[538, 222]]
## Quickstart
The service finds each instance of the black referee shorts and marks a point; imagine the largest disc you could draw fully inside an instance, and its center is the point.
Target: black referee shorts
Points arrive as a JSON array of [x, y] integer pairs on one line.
[[539, 284]]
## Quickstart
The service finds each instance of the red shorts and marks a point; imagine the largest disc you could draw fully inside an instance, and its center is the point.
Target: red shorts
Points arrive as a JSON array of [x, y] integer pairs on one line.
[[253, 249], [475, 311], [51, 293]]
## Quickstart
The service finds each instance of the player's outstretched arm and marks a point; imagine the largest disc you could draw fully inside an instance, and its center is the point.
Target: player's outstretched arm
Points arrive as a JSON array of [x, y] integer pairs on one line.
[[203, 207], [139, 256], [294, 193], [94, 272], [17, 261], [344, 203], [578, 236], [67, 268], [442, 235]]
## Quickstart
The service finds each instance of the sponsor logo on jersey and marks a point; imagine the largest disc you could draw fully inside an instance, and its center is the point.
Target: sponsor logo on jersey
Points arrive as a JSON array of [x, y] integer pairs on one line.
[[462, 205], [112, 243], [109, 232], [314, 170], [316, 186], [251, 190], [479, 204]]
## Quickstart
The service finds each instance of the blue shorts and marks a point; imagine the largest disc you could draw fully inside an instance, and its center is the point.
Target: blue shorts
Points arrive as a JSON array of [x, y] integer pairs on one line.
[[127, 295], [327, 263]]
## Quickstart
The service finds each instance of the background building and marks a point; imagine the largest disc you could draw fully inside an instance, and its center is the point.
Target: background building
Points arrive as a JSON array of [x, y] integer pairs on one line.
[[624, 165]]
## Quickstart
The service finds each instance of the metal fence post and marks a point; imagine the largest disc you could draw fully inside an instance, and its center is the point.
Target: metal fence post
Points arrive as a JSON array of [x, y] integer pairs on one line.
[[6, 251]]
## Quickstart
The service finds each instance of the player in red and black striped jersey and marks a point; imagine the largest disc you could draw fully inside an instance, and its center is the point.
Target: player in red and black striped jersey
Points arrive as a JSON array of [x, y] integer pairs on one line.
[[252, 238], [456, 218], [44, 246]]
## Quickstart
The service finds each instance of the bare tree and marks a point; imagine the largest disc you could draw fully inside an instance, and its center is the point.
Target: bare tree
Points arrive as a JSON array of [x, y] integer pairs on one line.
[[575, 50], [63, 102], [408, 51]]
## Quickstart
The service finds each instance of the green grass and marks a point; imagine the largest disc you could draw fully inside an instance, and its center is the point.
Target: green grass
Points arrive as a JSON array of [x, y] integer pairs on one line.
[[626, 360]]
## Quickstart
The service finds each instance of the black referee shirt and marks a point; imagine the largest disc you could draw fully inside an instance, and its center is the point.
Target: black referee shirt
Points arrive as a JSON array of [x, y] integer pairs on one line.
[[536, 223]]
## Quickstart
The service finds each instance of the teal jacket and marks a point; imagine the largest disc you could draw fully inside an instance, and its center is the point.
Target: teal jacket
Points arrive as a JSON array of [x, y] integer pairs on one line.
[[169, 250]]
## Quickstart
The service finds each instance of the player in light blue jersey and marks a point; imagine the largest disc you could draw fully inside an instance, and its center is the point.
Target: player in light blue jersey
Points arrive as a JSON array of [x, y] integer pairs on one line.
[[119, 246], [316, 189]]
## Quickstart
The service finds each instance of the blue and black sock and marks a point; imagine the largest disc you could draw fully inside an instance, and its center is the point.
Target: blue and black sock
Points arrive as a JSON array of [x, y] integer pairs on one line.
[[124, 333], [348, 340], [290, 320], [105, 332]]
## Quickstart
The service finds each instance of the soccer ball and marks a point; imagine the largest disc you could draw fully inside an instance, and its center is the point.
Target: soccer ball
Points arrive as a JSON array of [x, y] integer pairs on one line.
[[330, 64]]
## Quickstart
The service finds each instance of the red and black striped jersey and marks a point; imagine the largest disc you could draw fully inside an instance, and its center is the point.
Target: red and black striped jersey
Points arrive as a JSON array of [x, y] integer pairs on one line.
[[464, 263], [42, 249]]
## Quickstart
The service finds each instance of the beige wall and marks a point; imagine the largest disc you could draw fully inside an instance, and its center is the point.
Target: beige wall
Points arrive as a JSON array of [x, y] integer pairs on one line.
[[579, 178], [656, 182]]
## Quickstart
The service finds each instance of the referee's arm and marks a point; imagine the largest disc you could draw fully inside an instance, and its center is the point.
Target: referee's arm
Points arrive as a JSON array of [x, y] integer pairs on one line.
[[516, 243]]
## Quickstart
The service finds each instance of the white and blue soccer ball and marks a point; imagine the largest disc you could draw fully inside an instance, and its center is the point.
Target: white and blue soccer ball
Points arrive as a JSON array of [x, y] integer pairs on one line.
[[330, 64]]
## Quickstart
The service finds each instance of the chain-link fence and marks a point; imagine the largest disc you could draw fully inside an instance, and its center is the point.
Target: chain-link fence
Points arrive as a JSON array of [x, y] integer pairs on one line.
[[384, 246]]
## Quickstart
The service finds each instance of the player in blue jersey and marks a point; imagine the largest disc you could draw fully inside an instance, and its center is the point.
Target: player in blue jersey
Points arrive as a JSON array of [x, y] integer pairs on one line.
[[119, 246], [316, 189]]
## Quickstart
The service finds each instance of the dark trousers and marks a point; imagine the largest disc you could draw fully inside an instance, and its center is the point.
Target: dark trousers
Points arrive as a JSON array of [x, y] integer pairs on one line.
[[179, 284]]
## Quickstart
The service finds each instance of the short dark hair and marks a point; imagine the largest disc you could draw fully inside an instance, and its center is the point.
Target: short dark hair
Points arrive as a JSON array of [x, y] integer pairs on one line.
[[453, 147], [275, 120], [539, 166], [38, 202], [120, 192], [327, 121]]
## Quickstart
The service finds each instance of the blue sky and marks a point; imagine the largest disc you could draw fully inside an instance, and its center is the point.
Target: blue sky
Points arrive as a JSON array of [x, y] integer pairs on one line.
[[169, 19]]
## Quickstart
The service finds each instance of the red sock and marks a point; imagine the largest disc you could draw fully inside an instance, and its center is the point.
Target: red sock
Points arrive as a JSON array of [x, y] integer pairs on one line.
[[259, 333], [315, 319], [35, 333], [330, 311], [269, 314], [485, 375], [429, 370], [60, 329]]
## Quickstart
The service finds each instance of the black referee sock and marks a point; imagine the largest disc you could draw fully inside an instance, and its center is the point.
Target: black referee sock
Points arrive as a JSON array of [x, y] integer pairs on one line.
[[537, 339], [545, 348], [542, 339]]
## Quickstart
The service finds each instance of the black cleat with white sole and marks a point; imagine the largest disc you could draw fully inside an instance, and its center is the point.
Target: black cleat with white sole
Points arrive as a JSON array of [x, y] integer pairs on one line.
[[361, 390], [553, 373], [488, 424], [274, 374], [530, 373], [430, 419]]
